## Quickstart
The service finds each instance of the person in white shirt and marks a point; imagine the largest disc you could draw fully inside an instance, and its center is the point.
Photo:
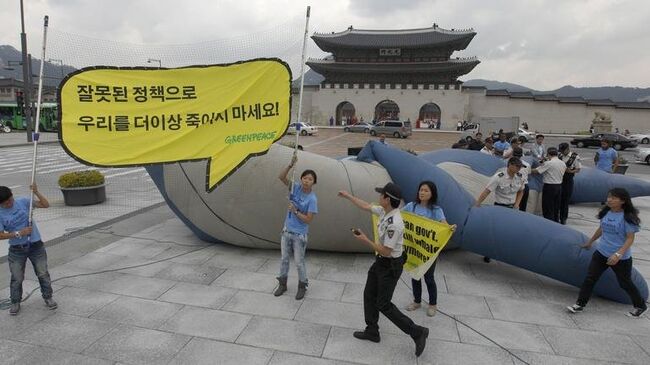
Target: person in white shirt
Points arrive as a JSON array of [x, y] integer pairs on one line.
[[539, 150], [573, 165], [488, 149], [384, 274], [552, 172], [525, 172]]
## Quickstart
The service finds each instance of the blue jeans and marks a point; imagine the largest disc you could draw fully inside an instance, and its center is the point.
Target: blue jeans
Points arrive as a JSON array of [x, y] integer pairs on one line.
[[431, 286], [17, 259], [293, 244]]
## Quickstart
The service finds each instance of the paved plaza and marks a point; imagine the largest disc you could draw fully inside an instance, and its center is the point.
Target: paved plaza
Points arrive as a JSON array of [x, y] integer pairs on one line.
[[165, 297]]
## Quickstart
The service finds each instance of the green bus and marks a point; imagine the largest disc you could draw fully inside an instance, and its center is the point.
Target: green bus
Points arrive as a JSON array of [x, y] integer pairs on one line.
[[12, 116]]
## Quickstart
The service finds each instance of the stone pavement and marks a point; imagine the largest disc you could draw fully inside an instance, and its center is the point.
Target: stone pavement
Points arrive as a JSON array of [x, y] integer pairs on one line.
[[200, 303]]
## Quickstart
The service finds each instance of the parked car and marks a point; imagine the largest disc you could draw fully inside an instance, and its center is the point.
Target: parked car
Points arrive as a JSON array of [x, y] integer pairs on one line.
[[305, 129], [395, 128], [362, 127], [619, 141], [640, 138], [643, 155], [526, 134]]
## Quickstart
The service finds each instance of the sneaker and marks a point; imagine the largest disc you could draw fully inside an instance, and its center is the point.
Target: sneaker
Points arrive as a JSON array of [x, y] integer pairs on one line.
[[15, 308], [431, 311], [413, 306], [575, 308], [50, 303], [637, 312], [363, 335], [421, 341]]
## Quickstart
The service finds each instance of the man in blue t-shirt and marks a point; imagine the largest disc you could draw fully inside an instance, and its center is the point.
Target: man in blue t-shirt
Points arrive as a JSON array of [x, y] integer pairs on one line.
[[24, 243], [501, 145], [303, 205], [606, 158]]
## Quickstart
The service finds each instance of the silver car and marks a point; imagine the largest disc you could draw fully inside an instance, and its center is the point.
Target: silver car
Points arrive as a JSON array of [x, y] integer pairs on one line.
[[395, 128], [362, 127]]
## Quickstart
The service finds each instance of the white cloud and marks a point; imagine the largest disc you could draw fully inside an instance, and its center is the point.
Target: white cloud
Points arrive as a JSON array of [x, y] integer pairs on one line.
[[543, 44]]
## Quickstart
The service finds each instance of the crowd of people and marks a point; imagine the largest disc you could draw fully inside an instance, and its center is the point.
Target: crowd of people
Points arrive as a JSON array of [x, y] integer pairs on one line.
[[619, 221]]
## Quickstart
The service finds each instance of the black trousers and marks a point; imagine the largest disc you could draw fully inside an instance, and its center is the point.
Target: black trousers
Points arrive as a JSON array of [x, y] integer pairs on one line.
[[551, 194], [524, 199], [565, 197], [623, 271], [431, 286], [378, 294]]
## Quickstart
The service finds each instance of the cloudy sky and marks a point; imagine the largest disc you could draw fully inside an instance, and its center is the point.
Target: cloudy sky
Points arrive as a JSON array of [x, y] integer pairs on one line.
[[542, 44]]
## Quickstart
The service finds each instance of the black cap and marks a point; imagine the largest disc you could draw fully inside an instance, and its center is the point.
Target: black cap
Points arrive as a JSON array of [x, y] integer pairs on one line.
[[392, 190]]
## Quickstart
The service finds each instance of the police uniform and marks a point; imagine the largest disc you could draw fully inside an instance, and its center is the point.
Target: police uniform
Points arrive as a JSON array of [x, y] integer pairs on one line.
[[525, 172], [383, 276], [552, 172], [572, 161], [505, 188]]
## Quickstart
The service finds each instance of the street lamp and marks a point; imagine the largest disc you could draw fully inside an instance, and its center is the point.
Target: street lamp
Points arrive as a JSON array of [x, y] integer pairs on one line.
[[152, 60], [27, 80]]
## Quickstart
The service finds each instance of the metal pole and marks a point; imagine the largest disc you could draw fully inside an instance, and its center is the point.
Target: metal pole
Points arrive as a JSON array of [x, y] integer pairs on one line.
[[27, 87], [302, 84], [38, 116]]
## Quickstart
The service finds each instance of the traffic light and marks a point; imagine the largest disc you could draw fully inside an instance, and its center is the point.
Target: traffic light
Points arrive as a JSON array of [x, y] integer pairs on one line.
[[20, 100]]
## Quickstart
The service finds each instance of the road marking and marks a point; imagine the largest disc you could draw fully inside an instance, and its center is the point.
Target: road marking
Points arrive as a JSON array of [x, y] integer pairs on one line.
[[124, 173], [325, 140]]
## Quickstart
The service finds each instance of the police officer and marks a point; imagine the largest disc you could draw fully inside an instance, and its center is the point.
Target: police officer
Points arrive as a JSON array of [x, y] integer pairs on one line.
[[387, 269], [552, 172], [508, 187], [573, 165]]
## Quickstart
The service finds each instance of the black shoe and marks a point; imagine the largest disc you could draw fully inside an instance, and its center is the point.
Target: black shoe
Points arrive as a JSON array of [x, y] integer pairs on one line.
[[363, 335], [421, 341], [637, 312], [486, 259]]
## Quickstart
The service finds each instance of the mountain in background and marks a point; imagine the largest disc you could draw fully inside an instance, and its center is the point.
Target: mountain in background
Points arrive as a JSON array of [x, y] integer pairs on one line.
[[53, 72], [615, 93]]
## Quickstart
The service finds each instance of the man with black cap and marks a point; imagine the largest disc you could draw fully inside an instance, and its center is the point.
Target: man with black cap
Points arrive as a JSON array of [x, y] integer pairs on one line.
[[552, 172], [387, 269]]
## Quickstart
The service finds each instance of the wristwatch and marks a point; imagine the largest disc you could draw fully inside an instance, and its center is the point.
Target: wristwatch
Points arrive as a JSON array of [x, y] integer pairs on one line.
[[618, 255], [17, 234]]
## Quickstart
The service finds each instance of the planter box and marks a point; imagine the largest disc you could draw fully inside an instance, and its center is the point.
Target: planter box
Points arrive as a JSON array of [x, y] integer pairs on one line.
[[87, 195], [621, 169]]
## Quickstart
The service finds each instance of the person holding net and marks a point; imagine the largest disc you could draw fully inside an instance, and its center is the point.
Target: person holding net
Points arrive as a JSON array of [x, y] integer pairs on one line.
[[24, 243]]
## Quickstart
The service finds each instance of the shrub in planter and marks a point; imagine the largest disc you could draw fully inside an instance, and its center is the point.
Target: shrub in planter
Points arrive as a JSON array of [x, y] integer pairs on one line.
[[83, 188]]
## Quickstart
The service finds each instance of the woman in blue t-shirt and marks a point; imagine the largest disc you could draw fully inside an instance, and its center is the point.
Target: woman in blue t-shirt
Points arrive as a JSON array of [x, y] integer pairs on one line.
[[619, 221], [425, 205]]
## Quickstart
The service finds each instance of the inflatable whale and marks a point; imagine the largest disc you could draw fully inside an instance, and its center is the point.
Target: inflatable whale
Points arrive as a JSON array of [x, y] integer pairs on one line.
[[249, 208]]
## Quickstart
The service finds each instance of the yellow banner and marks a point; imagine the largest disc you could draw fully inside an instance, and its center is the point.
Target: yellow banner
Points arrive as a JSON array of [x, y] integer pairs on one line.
[[424, 239], [138, 116]]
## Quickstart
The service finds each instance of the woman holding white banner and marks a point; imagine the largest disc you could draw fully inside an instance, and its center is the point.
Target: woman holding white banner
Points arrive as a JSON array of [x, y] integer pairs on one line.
[[425, 206]]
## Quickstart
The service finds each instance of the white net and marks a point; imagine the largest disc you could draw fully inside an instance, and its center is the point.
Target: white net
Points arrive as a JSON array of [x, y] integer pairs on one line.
[[131, 189]]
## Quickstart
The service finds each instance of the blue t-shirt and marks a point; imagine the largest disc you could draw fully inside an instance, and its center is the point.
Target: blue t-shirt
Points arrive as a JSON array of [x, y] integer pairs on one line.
[[615, 229], [305, 203], [16, 218], [606, 159], [435, 214], [501, 146]]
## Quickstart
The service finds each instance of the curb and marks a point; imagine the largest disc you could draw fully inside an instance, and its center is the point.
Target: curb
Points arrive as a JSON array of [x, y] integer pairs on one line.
[[29, 144]]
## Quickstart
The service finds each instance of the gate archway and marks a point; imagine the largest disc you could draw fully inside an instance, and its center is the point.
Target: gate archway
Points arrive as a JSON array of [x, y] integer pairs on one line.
[[429, 115], [345, 111], [387, 109]]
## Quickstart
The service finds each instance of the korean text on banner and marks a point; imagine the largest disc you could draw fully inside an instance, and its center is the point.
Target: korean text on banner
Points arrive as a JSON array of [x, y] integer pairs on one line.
[[138, 116], [424, 239]]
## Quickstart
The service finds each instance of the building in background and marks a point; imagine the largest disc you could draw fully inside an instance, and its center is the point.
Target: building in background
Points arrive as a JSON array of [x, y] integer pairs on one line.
[[413, 75]]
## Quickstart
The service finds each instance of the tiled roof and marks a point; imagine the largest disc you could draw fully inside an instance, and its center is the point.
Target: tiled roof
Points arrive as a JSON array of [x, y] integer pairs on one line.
[[408, 38]]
